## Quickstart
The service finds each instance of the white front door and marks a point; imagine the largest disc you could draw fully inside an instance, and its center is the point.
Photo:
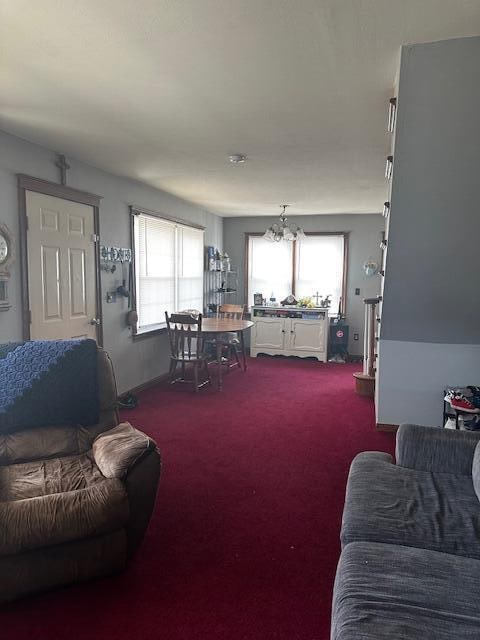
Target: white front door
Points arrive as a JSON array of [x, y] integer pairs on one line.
[[61, 268]]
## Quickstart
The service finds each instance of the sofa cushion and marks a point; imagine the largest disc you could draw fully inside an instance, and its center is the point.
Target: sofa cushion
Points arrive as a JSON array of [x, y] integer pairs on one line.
[[44, 477], [48, 382], [63, 440], [388, 503], [118, 449], [41, 442], [476, 470], [388, 591], [58, 500], [436, 449]]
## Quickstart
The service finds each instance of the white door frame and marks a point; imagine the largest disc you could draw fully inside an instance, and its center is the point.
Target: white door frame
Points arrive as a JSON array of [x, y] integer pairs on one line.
[[29, 183]]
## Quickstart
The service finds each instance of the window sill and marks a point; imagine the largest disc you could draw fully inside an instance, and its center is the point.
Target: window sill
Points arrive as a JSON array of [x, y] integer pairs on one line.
[[142, 335]]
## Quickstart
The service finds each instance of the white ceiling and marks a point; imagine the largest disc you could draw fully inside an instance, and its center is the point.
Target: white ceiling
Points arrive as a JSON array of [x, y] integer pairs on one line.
[[164, 90]]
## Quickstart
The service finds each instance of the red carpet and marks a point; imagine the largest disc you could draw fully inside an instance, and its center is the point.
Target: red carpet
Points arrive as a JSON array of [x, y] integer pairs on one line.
[[244, 540]]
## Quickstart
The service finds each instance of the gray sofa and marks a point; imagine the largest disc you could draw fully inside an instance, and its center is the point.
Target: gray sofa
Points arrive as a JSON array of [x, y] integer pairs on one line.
[[410, 564]]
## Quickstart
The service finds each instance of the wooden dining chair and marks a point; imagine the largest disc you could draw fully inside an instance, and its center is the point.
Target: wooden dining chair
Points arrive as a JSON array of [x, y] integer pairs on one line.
[[231, 311], [187, 347], [231, 340]]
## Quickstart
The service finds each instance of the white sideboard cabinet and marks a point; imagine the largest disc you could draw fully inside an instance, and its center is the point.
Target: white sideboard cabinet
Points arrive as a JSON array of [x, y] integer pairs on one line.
[[290, 332]]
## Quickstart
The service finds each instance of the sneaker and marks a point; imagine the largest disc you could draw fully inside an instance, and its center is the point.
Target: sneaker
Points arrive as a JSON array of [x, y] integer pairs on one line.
[[456, 392], [451, 392], [449, 395], [472, 424], [475, 395], [461, 403]]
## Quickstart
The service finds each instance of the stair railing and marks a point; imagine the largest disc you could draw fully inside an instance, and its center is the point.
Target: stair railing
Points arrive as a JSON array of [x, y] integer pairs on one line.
[[369, 335]]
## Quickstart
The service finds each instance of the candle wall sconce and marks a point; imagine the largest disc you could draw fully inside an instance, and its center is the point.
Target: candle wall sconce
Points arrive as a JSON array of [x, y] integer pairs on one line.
[[392, 114], [389, 167]]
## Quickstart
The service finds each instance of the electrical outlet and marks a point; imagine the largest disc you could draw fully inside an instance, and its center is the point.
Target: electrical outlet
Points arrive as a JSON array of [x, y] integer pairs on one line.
[[355, 336], [357, 293]]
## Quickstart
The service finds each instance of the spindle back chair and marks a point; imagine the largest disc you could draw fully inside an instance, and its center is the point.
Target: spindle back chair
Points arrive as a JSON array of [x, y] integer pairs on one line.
[[187, 347]]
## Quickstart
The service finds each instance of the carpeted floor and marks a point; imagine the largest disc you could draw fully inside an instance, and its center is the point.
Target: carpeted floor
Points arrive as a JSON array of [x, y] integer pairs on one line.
[[244, 540]]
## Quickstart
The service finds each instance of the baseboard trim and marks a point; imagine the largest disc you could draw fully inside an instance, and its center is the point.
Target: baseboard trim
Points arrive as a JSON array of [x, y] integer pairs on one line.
[[146, 385], [388, 428]]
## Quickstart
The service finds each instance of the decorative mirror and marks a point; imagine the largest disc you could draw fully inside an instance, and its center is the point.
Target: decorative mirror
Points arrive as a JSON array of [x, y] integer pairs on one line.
[[6, 257]]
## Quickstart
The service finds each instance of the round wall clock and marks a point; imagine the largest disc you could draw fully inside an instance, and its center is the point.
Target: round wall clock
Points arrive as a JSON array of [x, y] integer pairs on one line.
[[4, 248]]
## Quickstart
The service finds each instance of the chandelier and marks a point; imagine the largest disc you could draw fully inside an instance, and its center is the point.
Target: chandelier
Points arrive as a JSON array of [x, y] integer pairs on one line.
[[283, 230]]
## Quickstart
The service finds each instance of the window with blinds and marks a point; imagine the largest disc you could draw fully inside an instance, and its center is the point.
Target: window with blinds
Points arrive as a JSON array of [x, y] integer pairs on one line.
[[168, 269], [316, 263], [319, 267], [269, 268]]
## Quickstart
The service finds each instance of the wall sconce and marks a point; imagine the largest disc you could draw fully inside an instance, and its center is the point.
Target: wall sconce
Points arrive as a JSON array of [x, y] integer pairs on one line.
[[389, 167], [370, 267], [383, 243], [392, 114]]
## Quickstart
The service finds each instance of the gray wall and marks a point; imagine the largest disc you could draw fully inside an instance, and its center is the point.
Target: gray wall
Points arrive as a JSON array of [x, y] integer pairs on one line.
[[430, 330], [430, 288], [364, 240], [135, 362]]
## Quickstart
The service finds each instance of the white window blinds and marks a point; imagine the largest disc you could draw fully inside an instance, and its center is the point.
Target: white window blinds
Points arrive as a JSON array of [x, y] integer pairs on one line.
[[320, 266], [168, 269], [269, 268], [190, 269]]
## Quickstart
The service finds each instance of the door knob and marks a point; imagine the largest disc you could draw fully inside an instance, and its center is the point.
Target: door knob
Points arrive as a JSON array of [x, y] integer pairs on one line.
[[95, 321]]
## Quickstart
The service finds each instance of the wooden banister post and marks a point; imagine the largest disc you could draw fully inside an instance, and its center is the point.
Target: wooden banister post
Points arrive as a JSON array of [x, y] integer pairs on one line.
[[365, 381]]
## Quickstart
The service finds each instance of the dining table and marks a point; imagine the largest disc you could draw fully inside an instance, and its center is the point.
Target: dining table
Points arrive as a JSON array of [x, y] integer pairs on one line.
[[215, 327]]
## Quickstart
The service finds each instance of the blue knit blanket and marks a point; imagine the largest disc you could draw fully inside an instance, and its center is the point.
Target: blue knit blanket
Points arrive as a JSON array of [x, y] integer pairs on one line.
[[48, 382]]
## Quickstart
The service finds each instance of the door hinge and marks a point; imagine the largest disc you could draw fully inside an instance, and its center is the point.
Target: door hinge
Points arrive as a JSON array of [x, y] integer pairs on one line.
[[29, 317], [94, 237], [27, 224]]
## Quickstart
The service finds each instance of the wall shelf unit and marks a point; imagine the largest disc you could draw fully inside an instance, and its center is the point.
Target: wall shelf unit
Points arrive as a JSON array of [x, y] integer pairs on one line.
[[220, 287]]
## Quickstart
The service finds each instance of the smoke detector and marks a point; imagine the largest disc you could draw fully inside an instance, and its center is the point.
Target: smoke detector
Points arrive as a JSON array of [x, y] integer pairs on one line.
[[237, 158]]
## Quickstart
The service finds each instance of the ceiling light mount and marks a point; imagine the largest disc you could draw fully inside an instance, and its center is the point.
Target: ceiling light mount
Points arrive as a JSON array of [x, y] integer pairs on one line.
[[285, 230], [237, 158]]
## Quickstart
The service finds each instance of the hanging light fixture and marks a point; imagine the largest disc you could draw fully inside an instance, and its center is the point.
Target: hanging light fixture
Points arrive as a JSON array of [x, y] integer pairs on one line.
[[284, 230]]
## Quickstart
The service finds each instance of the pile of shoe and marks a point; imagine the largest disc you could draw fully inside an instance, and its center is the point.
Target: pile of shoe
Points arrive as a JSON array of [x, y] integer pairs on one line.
[[466, 400], [472, 423], [338, 358]]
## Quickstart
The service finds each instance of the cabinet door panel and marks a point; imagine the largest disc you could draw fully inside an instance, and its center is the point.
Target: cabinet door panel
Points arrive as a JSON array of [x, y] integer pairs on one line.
[[269, 333], [307, 335]]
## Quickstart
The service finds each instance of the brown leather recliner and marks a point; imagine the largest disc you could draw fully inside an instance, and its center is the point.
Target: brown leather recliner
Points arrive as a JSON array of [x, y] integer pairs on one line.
[[74, 501]]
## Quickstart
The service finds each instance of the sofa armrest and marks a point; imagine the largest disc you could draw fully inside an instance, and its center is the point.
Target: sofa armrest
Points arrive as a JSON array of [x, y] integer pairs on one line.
[[434, 449], [117, 450]]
